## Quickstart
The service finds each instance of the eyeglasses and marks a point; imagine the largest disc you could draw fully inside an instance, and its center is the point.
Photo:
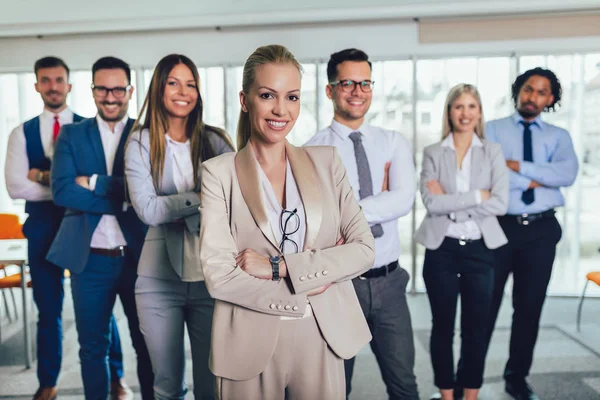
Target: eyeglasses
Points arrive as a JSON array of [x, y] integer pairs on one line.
[[349, 85], [289, 224], [118, 91]]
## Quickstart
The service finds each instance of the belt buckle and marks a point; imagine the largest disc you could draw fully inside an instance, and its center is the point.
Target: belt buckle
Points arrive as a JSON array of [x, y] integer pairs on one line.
[[122, 249], [362, 278], [462, 241], [523, 219]]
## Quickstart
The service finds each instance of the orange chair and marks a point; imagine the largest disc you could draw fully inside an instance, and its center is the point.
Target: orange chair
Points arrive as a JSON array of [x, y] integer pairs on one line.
[[10, 228], [591, 277]]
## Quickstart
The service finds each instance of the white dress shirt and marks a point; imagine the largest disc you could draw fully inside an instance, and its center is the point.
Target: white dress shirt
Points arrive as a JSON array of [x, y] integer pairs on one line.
[[381, 145], [274, 213], [183, 170], [17, 163], [468, 229], [108, 234]]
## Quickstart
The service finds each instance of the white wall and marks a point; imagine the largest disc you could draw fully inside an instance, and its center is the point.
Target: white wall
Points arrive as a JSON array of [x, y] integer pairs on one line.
[[40, 17]]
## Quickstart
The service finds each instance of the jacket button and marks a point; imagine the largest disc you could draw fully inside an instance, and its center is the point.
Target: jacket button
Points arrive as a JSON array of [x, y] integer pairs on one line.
[[302, 279], [279, 307], [188, 203], [295, 308], [272, 306], [287, 307], [325, 272], [310, 276]]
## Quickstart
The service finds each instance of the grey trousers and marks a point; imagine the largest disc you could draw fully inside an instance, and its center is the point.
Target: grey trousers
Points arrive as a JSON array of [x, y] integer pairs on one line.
[[383, 301], [303, 367], [164, 307]]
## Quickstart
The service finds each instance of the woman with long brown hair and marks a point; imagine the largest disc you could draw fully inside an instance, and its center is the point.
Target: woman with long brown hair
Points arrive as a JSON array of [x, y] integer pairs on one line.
[[162, 165]]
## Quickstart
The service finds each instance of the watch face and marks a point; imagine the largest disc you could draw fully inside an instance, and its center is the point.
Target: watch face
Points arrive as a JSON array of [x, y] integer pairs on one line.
[[274, 259]]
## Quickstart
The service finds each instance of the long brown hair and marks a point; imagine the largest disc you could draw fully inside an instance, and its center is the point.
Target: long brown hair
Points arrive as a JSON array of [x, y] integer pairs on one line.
[[454, 94], [271, 54], [157, 120]]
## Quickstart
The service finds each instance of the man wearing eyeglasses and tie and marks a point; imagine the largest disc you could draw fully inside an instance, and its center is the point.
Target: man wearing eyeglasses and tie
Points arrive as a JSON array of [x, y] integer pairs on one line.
[[380, 167], [27, 173], [100, 238]]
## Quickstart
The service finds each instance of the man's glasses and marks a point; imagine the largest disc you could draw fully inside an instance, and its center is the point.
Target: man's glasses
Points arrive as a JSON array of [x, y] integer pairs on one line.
[[289, 224], [102, 91], [348, 85]]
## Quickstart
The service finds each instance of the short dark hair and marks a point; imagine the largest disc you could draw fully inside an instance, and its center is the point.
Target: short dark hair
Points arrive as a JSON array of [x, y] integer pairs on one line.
[[49, 62], [345, 55], [111, 63], [546, 73]]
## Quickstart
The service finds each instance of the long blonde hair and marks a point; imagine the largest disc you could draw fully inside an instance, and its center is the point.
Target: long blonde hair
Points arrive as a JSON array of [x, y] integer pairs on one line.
[[454, 94], [157, 120], [271, 54]]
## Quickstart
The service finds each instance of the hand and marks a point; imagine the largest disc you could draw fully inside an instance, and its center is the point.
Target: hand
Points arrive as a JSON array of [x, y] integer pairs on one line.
[[485, 195], [199, 195], [534, 184], [258, 266], [434, 187], [386, 177], [340, 242], [32, 175], [318, 290], [514, 165], [83, 181]]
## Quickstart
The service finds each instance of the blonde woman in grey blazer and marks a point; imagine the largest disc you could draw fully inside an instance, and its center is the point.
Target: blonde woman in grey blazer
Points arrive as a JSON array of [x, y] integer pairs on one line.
[[464, 186], [162, 163]]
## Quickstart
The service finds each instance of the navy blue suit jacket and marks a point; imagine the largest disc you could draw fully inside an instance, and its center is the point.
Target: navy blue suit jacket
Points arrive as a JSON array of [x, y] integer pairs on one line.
[[79, 152]]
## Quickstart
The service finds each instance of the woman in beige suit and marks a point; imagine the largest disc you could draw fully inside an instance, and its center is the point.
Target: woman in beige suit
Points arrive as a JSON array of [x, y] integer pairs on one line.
[[464, 186], [162, 163], [282, 236]]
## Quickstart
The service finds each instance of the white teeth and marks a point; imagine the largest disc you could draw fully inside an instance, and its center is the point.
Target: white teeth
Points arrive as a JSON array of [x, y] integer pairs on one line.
[[181, 103], [277, 124], [465, 121]]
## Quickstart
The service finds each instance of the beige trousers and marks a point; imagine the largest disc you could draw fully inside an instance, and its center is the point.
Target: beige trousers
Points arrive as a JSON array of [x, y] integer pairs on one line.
[[303, 367]]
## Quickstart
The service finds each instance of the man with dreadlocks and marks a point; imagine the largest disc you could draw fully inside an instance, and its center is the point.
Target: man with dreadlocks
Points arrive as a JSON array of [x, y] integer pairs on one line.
[[541, 160]]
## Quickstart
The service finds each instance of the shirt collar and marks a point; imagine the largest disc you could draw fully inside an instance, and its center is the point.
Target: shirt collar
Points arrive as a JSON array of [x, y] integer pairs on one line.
[[119, 126], [517, 118], [172, 142], [344, 132], [63, 116], [449, 141]]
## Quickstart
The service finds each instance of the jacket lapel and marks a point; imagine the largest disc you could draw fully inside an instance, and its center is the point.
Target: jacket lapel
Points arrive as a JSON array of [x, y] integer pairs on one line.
[[305, 175], [118, 164], [449, 170], [94, 133], [477, 165], [246, 168]]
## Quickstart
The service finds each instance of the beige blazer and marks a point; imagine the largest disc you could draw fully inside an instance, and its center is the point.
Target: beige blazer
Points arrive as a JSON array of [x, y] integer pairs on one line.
[[488, 172], [247, 309]]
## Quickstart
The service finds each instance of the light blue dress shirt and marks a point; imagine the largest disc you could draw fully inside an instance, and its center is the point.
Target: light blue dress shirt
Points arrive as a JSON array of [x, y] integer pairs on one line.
[[554, 162]]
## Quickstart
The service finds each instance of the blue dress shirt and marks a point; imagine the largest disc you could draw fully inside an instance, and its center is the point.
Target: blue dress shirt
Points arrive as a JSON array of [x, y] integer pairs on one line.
[[554, 162]]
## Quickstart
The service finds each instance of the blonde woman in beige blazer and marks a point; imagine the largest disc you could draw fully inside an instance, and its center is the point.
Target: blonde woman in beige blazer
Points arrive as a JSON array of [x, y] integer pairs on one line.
[[464, 186], [281, 238]]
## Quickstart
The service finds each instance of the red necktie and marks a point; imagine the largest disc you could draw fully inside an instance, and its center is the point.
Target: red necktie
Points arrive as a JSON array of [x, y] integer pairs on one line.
[[56, 128]]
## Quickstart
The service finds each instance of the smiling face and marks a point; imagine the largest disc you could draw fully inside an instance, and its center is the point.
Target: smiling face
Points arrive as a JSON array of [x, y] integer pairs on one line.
[[111, 107], [273, 102], [464, 114], [53, 85], [534, 97], [350, 107], [181, 93]]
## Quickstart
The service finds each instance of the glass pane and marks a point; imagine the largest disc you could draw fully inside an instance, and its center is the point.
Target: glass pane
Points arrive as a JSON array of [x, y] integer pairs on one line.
[[529, 62], [233, 85], [212, 89], [306, 125], [325, 105], [9, 119], [493, 83]]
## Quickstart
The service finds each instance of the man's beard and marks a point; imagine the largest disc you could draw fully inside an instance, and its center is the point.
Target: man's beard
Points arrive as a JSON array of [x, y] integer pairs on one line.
[[53, 105], [117, 118], [525, 113]]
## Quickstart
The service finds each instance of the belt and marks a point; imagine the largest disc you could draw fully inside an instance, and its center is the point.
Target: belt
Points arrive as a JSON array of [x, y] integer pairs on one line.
[[525, 219], [463, 241], [116, 252], [381, 271]]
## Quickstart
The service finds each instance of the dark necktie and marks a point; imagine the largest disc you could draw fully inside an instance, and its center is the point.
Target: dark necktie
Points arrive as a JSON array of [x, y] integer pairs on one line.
[[364, 176], [528, 196]]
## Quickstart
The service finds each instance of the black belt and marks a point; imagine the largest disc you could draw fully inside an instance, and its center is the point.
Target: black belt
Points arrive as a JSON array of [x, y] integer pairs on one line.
[[526, 219], [381, 271], [463, 241], [116, 252]]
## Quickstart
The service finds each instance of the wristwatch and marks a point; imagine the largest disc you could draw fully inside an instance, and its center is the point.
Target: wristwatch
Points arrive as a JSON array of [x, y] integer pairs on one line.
[[39, 176], [275, 260]]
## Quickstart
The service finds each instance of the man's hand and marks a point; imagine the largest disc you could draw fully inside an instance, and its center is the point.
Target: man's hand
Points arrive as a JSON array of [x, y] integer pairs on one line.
[[485, 195], [258, 266], [386, 177], [33, 175], [514, 165], [534, 184], [83, 181], [318, 290], [39, 176], [434, 187]]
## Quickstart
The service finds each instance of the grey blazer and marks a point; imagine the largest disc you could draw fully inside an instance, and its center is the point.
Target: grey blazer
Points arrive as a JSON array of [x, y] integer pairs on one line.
[[488, 172], [171, 248]]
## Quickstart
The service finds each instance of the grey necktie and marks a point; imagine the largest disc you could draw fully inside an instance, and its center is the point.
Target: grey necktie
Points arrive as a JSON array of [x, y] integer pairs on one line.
[[364, 176]]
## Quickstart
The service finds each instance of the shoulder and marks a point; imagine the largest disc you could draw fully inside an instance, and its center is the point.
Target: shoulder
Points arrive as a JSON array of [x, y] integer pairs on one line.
[[82, 125], [323, 137], [219, 164], [140, 136], [557, 130], [492, 147], [499, 122], [217, 141], [433, 149]]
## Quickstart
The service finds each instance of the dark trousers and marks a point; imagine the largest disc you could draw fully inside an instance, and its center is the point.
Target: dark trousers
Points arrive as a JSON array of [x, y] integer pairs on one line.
[[48, 294], [383, 302], [448, 271], [94, 292], [529, 255]]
